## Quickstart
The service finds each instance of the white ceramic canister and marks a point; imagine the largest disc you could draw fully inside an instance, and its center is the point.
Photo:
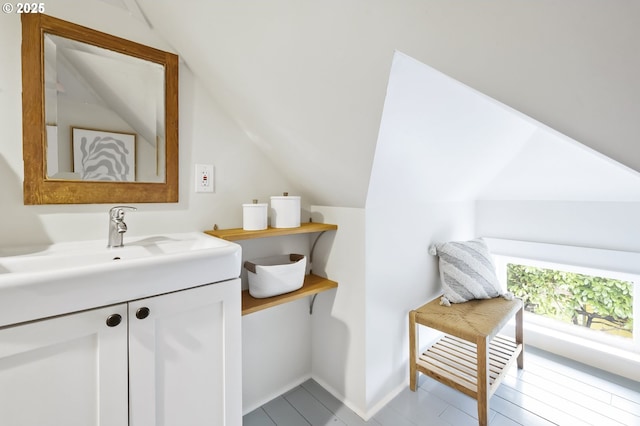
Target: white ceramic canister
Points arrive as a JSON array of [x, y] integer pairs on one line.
[[254, 216], [285, 211]]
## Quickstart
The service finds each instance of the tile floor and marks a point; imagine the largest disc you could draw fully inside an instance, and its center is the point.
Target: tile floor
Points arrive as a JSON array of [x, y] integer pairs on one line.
[[549, 391]]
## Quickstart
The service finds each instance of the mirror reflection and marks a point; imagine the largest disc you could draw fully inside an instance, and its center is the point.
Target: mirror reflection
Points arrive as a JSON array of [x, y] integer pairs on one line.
[[104, 114], [99, 116]]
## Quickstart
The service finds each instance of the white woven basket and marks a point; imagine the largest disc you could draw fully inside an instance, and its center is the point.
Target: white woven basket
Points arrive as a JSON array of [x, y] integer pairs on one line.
[[274, 275]]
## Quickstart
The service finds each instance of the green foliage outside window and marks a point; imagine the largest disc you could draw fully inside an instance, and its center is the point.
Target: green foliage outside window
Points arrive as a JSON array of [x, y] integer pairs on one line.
[[594, 302]]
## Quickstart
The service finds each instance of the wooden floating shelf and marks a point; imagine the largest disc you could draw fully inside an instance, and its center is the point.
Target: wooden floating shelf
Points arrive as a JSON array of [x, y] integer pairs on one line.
[[313, 284], [237, 234]]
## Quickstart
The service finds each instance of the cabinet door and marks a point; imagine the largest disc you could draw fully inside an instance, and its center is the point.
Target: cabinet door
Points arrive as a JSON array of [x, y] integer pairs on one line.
[[185, 358], [69, 370]]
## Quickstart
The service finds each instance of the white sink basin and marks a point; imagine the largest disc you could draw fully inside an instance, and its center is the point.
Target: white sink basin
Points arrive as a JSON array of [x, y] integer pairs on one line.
[[38, 282]]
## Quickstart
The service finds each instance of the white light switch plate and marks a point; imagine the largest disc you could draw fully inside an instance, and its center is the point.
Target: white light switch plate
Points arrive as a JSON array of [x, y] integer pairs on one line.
[[204, 178]]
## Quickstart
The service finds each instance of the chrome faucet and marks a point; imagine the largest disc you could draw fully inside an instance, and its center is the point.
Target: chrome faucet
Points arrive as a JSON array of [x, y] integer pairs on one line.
[[117, 227]]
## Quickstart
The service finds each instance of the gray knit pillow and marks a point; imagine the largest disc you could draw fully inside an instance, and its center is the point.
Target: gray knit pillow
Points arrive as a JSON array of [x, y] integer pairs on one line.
[[467, 271]]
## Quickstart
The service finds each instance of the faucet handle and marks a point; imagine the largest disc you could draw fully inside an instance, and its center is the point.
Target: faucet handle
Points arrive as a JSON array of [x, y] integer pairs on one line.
[[117, 212]]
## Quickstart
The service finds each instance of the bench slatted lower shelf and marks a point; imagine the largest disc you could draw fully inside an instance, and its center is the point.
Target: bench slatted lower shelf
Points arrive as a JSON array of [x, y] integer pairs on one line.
[[452, 361]]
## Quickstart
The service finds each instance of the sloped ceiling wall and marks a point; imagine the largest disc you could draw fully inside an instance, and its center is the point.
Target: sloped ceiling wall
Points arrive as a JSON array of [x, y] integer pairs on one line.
[[443, 141], [439, 140], [552, 167], [306, 80]]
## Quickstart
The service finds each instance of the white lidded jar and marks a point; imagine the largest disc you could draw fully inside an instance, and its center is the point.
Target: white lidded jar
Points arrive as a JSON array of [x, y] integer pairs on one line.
[[285, 211], [254, 216]]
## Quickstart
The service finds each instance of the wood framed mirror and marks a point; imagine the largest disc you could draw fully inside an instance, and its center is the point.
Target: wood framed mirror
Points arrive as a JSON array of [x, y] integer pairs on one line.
[[99, 116]]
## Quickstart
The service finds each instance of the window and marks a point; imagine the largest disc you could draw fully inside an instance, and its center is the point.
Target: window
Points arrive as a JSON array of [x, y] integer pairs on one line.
[[601, 307], [566, 272], [590, 296]]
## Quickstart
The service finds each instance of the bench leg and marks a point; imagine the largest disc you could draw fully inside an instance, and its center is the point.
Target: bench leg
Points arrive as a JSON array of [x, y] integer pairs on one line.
[[413, 350], [520, 337], [482, 394]]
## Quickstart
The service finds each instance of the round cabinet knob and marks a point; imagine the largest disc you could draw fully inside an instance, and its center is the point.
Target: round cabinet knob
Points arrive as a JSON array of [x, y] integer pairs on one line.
[[113, 320], [142, 313]]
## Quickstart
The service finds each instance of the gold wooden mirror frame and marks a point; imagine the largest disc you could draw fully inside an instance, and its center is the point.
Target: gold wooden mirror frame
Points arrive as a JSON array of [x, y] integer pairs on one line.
[[38, 189]]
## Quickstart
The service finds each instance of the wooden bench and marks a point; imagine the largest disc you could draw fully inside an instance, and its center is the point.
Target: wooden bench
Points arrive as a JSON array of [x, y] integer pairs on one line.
[[470, 357]]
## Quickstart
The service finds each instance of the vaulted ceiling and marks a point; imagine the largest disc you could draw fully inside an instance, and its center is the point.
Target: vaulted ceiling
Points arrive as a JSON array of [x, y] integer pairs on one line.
[[307, 80], [440, 140]]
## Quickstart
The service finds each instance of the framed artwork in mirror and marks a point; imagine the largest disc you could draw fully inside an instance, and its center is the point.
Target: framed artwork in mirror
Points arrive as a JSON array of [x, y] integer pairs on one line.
[[100, 155]]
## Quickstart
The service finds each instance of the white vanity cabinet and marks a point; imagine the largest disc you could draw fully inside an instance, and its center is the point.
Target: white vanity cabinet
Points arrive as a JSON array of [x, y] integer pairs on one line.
[[185, 358], [172, 359], [69, 370]]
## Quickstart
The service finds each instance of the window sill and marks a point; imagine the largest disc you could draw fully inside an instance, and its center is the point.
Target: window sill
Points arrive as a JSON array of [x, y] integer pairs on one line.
[[605, 357]]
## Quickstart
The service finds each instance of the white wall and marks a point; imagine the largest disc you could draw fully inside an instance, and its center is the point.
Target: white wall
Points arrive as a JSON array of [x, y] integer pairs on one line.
[[568, 64], [276, 342], [594, 224], [419, 193], [401, 276], [207, 135], [338, 321], [439, 143], [379, 258]]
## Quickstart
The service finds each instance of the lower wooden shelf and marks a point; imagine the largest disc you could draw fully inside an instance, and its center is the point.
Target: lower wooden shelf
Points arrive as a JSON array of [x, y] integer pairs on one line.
[[453, 362], [313, 284]]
